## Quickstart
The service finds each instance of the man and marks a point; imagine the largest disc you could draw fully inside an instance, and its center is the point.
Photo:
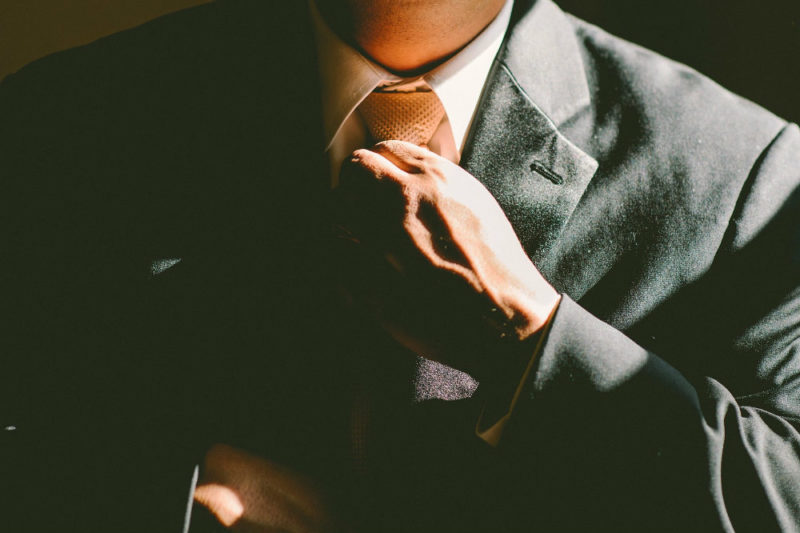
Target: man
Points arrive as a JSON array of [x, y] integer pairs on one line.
[[173, 282]]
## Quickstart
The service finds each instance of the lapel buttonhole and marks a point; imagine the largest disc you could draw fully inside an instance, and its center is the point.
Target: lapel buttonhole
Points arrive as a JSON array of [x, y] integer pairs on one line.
[[542, 170]]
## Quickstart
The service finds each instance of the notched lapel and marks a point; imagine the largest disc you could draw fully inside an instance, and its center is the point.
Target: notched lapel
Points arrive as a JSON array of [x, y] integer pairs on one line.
[[536, 174], [514, 147]]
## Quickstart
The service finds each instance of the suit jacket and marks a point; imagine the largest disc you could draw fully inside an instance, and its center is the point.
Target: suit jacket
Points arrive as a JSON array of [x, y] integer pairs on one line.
[[168, 283]]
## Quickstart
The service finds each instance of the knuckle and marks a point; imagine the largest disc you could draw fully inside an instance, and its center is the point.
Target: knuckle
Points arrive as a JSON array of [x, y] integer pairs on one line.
[[358, 156], [436, 171], [388, 146]]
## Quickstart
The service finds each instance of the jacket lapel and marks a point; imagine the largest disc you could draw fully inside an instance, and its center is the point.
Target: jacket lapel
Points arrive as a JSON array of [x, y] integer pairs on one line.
[[514, 147]]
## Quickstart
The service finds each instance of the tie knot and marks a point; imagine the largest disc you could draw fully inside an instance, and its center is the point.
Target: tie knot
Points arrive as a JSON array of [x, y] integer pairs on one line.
[[404, 116]]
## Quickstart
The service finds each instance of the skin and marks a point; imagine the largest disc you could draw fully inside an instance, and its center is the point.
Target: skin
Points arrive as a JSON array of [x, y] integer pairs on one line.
[[432, 258], [408, 36], [436, 262], [249, 494], [444, 273]]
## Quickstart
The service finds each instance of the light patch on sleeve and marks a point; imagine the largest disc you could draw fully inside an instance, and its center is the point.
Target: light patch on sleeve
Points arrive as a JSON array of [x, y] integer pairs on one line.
[[160, 265]]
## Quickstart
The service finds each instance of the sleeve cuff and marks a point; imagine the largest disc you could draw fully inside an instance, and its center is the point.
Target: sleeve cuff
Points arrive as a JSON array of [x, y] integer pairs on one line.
[[579, 359], [501, 400]]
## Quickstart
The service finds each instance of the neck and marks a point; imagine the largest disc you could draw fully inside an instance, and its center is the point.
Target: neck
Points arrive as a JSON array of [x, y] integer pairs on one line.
[[408, 36]]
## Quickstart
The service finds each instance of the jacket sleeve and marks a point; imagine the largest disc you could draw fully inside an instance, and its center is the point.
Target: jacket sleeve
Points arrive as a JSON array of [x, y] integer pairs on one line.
[[621, 438], [70, 453]]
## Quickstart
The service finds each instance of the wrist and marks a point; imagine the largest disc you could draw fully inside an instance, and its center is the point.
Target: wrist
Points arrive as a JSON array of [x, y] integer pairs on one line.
[[534, 313], [517, 341]]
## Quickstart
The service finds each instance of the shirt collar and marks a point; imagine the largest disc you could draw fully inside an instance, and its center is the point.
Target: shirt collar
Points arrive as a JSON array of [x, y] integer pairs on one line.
[[347, 77]]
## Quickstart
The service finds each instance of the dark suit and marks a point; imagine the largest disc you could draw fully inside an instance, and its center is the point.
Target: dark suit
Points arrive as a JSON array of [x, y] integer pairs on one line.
[[665, 399]]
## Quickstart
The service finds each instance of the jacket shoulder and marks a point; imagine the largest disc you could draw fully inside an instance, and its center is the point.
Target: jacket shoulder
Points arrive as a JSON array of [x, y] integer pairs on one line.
[[671, 106], [687, 170]]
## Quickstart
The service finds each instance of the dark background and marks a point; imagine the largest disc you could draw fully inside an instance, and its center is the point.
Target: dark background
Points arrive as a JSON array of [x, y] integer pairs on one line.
[[30, 29], [752, 47]]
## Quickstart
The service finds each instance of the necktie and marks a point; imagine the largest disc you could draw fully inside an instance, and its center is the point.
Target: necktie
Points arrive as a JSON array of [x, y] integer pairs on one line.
[[404, 116]]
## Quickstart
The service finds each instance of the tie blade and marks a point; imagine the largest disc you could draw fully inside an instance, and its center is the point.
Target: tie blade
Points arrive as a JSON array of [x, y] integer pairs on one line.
[[405, 116]]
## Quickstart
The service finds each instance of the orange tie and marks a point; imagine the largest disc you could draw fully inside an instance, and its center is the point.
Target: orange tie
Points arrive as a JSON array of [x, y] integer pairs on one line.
[[404, 116]]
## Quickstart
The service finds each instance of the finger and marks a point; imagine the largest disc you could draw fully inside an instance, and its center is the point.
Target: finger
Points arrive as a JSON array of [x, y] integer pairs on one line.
[[405, 155], [223, 502], [367, 165], [245, 490], [370, 198]]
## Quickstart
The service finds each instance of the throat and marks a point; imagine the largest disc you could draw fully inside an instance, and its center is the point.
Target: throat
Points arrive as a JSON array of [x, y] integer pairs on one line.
[[408, 37]]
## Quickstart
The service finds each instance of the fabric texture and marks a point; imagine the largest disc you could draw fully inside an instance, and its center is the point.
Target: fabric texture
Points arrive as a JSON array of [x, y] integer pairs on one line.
[[403, 116], [347, 77], [663, 208]]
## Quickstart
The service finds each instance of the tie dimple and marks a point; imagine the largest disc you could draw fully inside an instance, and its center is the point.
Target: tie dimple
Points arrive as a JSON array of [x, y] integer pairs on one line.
[[409, 116]]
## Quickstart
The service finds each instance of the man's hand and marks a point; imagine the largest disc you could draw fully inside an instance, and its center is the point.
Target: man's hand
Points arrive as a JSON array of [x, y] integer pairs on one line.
[[249, 494], [435, 260]]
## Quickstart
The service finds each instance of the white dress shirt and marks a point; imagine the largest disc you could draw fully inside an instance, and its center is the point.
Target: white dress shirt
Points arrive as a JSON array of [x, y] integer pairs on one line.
[[347, 77]]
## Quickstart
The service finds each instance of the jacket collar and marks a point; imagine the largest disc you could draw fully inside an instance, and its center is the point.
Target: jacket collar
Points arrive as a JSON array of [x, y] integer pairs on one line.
[[542, 52], [537, 83]]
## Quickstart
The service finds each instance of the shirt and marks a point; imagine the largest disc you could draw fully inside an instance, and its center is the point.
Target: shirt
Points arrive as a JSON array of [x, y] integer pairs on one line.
[[347, 77]]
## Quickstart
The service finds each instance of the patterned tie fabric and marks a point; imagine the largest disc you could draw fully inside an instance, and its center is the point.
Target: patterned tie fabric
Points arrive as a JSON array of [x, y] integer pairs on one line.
[[412, 117], [403, 116]]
